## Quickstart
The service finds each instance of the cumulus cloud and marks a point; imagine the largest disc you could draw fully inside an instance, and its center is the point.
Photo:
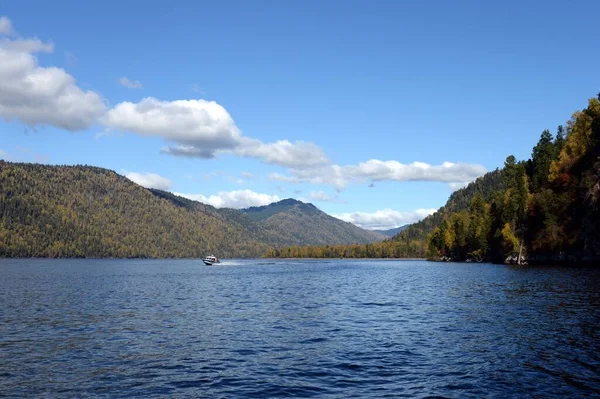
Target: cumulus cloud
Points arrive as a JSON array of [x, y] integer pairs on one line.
[[282, 152], [26, 46], [149, 180], [198, 127], [202, 129], [247, 175], [6, 27], [384, 219], [233, 199], [38, 95], [130, 84], [376, 170], [195, 128]]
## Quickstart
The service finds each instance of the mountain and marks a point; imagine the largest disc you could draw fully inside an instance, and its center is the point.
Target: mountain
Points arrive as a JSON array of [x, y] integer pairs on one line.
[[412, 240], [84, 211], [305, 224], [392, 232]]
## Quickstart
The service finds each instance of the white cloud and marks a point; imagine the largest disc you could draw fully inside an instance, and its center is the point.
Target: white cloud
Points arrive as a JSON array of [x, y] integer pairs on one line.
[[38, 95], [130, 84], [384, 219], [6, 27], [319, 196], [198, 127], [149, 180], [376, 170], [233, 199], [282, 152], [202, 129], [247, 175], [34, 45], [3, 155], [189, 151]]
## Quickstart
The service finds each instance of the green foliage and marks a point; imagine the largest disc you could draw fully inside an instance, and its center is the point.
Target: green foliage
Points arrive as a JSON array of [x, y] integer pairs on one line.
[[547, 209], [541, 158], [556, 221], [82, 211], [386, 249], [460, 200]]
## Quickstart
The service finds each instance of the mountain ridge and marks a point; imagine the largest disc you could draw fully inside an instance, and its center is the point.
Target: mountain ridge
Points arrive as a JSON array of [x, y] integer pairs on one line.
[[303, 221], [88, 211]]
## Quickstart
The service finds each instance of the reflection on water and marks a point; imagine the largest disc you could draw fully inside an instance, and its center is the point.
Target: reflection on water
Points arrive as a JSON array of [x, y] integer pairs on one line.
[[72, 328]]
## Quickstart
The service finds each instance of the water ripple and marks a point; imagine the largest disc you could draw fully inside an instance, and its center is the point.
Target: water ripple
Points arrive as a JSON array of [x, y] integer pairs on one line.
[[261, 329]]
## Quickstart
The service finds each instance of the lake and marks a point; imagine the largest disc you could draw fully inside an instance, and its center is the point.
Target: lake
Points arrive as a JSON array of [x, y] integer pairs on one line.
[[297, 328]]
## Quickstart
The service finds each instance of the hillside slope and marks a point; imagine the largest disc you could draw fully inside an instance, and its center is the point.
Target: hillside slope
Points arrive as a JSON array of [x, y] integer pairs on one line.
[[82, 211], [458, 201], [270, 235], [305, 224]]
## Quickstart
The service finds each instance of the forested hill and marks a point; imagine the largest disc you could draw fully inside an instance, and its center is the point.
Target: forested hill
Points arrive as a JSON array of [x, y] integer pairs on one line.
[[411, 240], [305, 223], [459, 200], [542, 210], [83, 211], [548, 209]]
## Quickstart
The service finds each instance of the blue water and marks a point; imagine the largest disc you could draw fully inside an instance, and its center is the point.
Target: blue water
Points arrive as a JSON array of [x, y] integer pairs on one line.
[[330, 329]]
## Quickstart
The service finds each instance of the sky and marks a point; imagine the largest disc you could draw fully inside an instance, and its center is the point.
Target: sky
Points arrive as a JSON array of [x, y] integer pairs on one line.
[[375, 111]]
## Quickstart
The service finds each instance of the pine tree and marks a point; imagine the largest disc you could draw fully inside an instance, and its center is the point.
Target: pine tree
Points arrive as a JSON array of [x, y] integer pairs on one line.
[[542, 156]]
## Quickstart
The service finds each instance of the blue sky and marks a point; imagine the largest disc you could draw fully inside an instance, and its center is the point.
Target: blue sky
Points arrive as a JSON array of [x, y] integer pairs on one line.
[[373, 111]]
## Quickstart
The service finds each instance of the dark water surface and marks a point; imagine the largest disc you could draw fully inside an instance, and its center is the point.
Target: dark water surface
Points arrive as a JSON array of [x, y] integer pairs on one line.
[[332, 329]]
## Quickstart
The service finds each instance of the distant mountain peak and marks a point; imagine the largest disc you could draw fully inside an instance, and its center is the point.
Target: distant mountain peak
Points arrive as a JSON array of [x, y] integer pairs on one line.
[[285, 205], [288, 201]]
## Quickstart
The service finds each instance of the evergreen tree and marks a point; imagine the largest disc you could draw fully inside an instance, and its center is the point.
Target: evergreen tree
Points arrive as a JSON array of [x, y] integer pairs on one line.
[[542, 156], [559, 141]]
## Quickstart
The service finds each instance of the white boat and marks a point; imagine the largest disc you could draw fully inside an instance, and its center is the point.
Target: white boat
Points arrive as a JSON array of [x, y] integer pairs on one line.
[[210, 260]]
